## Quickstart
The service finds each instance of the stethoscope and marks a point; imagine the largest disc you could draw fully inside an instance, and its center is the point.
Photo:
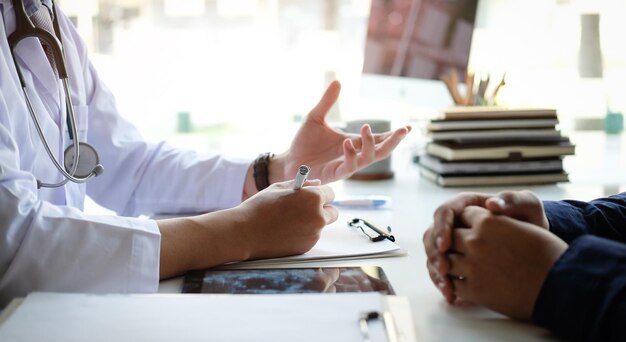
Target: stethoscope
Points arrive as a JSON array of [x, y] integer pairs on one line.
[[88, 165]]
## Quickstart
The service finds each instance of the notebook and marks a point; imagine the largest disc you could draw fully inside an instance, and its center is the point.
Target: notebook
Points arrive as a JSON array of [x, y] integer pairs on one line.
[[544, 134], [494, 179], [441, 166], [449, 125], [450, 150], [340, 241], [490, 112]]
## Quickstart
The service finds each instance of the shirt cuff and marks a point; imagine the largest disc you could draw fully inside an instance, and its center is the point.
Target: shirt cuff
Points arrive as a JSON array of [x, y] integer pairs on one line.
[[232, 182], [566, 221], [144, 263], [578, 294]]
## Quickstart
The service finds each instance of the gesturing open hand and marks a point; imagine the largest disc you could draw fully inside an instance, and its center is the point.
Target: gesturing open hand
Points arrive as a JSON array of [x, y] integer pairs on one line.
[[333, 154]]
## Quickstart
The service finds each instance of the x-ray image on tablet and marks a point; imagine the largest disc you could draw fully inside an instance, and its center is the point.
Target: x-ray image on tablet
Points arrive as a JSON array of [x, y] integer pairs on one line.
[[288, 280]]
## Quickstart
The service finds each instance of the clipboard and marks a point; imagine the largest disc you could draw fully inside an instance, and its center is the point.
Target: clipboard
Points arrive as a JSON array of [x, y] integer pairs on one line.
[[121, 317]]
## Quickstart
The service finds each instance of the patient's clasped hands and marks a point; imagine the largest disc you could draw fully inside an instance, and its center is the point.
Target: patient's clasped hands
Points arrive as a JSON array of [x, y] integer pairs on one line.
[[494, 251]]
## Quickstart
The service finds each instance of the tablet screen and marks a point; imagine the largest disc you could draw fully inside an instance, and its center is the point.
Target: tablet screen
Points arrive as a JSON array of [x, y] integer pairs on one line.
[[288, 280]]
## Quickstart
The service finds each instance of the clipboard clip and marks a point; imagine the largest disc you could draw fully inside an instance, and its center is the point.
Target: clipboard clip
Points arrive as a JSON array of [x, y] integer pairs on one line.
[[373, 232], [388, 323]]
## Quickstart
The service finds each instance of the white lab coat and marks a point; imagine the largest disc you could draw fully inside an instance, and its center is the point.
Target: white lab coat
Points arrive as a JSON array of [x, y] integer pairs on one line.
[[46, 241]]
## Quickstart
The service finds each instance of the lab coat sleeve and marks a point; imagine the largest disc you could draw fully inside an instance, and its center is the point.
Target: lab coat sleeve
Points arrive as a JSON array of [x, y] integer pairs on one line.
[[45, 247], [147, 178]]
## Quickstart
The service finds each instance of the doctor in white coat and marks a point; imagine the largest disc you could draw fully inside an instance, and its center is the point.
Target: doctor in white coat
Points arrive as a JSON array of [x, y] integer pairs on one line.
[[47, 242]]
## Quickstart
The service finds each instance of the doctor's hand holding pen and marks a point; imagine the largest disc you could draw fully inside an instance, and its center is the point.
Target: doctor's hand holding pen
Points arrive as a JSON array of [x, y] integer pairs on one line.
[[332, 154], [275, 222], [276, 218]]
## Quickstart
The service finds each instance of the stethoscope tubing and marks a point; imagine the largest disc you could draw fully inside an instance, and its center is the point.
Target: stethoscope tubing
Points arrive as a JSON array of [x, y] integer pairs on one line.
[[25, 29], [68, 176]]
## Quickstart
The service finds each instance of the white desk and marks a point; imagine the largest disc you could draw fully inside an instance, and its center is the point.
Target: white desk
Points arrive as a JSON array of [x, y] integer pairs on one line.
[[414, 201]]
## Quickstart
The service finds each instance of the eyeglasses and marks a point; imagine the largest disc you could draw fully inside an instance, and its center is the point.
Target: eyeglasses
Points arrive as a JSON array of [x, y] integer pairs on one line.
[[372, 231]]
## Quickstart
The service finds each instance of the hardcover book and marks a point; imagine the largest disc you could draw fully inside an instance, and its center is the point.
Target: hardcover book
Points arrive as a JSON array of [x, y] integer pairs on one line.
[[451, 150], [441, 166], [494, 179], [488, 112]]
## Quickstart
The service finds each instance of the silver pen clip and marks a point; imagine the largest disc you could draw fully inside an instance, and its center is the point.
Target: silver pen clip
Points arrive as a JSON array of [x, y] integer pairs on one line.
[[388, 323]]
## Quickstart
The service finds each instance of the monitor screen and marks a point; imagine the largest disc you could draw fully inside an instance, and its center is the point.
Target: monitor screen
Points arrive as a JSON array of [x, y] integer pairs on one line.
[[410, 43]]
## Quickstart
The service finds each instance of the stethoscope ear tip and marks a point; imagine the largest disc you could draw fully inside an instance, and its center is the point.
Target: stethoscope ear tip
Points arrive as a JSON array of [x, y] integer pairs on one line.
[[98, 170]]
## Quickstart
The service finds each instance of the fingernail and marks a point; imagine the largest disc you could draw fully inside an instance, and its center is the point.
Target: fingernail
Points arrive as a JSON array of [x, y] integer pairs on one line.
[[439, 242], [436, 263], [440, 285], [500, 202]]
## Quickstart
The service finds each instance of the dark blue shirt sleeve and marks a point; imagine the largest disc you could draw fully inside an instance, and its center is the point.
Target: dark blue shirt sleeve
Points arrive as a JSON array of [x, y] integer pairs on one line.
[[584, 295], [603, 217]]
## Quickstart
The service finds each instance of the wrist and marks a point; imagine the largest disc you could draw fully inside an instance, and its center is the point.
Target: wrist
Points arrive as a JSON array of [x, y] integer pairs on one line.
[[227, 230], [200, 242], [219, 239], [276, 168], [260, 170], [266, 170], [176, 254], [249, 186]]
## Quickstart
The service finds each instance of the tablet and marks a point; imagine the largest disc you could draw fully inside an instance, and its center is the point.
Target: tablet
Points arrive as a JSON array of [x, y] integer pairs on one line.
[[288, 280]]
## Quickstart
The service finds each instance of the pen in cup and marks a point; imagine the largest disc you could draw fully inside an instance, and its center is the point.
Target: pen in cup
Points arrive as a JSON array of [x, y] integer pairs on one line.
[[502, 83], [469, 89], [303, 172]]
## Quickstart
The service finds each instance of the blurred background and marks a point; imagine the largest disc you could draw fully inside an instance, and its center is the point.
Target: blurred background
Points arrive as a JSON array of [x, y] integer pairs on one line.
[[222, 74]]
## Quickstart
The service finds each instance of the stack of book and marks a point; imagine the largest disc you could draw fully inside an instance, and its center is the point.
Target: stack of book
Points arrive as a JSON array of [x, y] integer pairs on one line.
[[474, 146]]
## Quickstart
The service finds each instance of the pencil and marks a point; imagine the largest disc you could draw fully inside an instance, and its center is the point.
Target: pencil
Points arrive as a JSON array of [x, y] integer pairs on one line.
[[469, 86], [447, 80], [495, 91], [454, 79]]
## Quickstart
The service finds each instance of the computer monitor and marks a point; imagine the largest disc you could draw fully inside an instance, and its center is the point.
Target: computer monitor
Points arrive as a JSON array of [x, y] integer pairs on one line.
[[410, 43]]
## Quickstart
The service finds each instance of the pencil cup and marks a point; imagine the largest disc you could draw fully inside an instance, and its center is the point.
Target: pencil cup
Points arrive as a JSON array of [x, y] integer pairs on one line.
[[380, 169], [183, 122], [613, 122]]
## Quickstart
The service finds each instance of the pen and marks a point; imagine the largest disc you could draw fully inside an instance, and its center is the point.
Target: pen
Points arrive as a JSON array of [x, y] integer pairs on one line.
[[482, 88], [388, 322], [495, 92], [303, 172], [454, 80], [469, 86], [368, 202], [452, 87]]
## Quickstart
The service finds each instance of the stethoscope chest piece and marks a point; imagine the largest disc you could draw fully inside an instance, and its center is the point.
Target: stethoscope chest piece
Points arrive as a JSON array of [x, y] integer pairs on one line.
[[87, 162], [78, 152]]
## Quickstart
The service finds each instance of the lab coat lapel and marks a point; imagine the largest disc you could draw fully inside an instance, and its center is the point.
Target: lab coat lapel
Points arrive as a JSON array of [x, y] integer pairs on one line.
[[32, 57], [33, 60]]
